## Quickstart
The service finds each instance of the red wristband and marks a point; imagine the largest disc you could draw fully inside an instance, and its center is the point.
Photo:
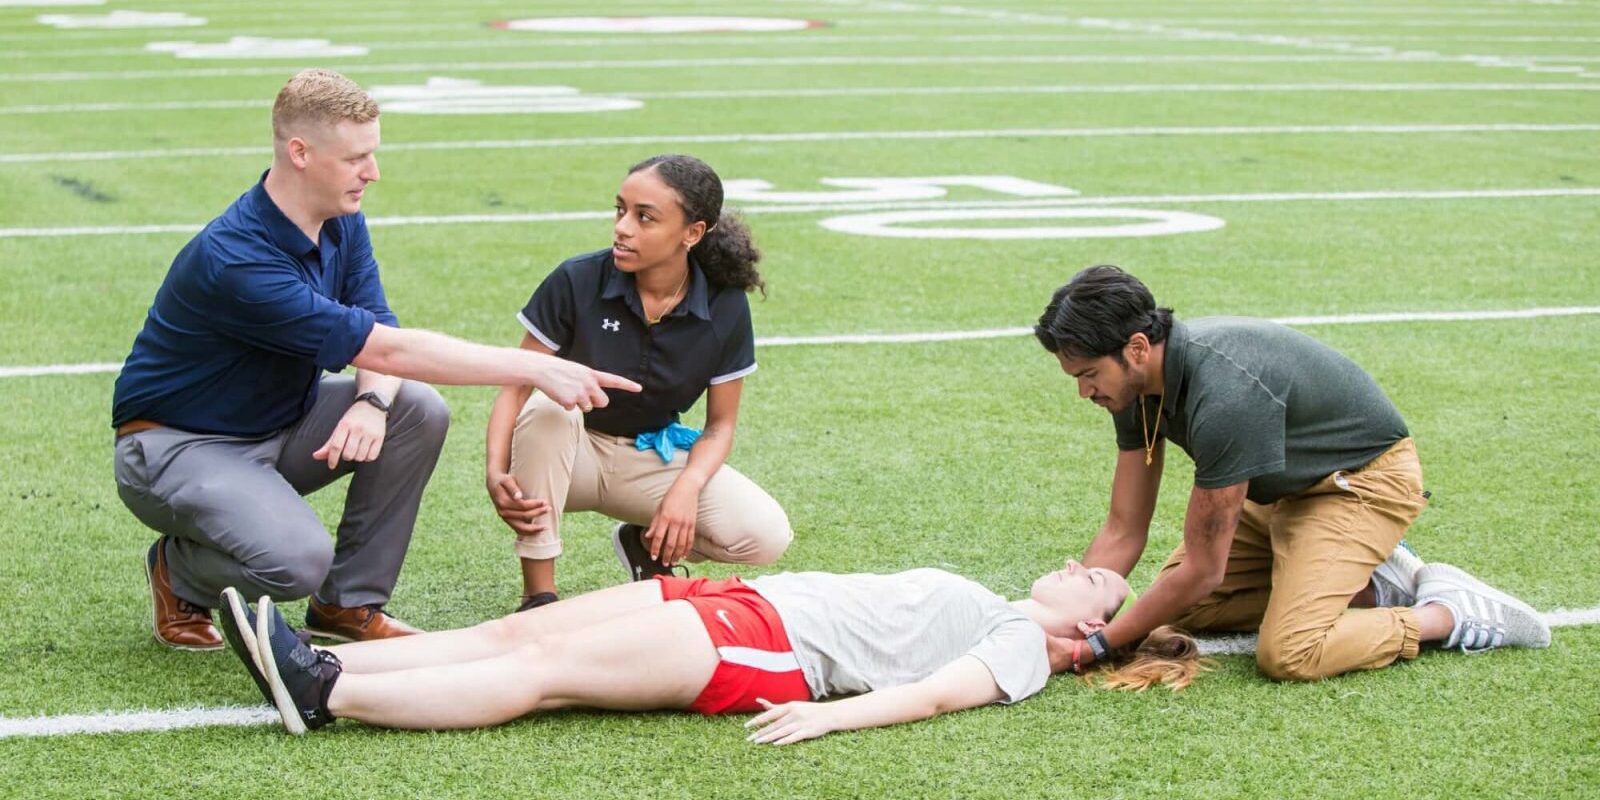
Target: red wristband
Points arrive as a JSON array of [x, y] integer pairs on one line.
[[1077, 647]]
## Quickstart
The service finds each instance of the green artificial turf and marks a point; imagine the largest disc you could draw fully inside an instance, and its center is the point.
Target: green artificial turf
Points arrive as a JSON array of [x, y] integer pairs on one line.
[[973, 456]]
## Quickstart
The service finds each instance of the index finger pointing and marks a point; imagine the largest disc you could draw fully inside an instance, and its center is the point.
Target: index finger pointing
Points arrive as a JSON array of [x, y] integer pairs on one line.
[[610, 381]]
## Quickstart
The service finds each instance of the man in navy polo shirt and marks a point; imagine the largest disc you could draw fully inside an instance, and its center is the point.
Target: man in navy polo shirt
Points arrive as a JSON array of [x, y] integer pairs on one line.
[[224, 418]]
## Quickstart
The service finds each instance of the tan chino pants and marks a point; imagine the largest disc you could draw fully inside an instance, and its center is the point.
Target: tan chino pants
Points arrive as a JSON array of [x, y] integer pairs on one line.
[[1295, 564], [554, 457]]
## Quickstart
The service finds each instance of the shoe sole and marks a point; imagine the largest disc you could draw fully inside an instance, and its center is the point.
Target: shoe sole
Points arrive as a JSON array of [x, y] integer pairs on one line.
[[233, 610], [332, 637], [622, 555], [155, 624], [1460, 578], [287, 710]]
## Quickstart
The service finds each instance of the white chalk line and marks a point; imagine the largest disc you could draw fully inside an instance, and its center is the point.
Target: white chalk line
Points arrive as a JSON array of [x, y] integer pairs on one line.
[[357, 68], [992, 333], [834, 137], [156, 721], [812, 208], [893, 91], [1178, 29]]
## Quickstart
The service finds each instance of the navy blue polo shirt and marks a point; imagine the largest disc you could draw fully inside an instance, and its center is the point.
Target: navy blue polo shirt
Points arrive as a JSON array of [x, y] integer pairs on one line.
[[589, 311], [250, 314]]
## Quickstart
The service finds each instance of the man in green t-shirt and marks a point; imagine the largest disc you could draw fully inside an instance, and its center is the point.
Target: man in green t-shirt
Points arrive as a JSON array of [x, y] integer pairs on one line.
[[1305, 482]]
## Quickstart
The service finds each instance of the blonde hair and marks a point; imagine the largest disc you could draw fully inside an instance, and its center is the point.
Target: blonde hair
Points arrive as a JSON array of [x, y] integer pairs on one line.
[[319, 97], [1167, 657]]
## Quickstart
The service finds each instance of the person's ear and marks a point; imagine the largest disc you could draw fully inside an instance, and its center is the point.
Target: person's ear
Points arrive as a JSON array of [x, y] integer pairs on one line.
[[693, 234], [1137, 349], [296, 148]]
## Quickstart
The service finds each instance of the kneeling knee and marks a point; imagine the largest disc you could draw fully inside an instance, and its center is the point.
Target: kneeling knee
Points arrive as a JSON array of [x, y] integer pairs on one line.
[[1286, 661], [293, 573]]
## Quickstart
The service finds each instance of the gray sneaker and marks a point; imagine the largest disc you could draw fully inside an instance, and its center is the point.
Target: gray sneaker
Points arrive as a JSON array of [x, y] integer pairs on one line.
[[1394, 582], [1486, 617]]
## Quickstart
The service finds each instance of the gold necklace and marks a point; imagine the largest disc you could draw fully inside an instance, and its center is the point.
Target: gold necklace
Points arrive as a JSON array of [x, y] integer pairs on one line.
[[1150, 438], [671, 301]]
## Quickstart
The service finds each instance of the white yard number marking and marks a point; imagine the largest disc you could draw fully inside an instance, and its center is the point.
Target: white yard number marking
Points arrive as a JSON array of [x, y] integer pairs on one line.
[[123, 19], [877, 190], [912, 224], [452, 96], [656, 24], [257, 47]]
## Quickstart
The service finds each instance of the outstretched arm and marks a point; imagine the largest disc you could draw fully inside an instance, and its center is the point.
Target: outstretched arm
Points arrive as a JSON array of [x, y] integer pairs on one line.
[[437, 358], [961, 684], [1134, 487]]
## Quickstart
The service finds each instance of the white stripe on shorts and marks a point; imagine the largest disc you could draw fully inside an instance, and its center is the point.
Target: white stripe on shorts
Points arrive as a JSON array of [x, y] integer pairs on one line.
[[764, 660]]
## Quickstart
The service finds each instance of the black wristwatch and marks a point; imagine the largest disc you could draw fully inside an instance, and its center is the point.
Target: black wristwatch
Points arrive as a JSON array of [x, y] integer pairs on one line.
[[1099, 645], [375, 400]]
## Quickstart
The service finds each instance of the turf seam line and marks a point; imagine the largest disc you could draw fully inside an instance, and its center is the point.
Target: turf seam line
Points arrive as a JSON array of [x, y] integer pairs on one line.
[[991, 333], [810, 208], [895, 91], [835, 137]]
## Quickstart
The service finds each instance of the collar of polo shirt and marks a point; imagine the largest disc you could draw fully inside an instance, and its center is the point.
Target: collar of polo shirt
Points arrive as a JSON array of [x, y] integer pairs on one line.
[[621, 284]]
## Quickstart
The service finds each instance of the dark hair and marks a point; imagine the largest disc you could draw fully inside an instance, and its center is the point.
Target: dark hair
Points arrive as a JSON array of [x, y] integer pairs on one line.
[[1096, 313], [726, 254]]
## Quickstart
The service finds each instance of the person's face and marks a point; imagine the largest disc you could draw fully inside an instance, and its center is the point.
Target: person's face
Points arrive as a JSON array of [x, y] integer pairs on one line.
[[651, 228], [339, 163], [1076, 593], [1111, 384]]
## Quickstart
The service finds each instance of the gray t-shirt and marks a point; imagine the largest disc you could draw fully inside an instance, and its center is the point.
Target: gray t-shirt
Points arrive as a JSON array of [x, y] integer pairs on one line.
[[1253, 400], [858, 633]]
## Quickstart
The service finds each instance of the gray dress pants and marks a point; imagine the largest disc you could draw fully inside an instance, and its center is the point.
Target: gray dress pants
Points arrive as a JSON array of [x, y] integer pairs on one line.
[[233, 507]]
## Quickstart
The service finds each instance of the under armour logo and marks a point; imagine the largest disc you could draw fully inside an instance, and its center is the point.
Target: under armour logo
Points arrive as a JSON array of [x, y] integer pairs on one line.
[[611, 324], [722, 614]]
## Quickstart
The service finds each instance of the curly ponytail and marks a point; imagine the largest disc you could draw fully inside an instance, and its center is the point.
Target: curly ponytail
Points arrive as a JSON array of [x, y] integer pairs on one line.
[[726, 254]]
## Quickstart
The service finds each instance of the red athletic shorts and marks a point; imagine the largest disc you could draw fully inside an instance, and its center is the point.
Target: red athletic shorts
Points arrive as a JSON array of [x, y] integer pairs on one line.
[[757, 660]]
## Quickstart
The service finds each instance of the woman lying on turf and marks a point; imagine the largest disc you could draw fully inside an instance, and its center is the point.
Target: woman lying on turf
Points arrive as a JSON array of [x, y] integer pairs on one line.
[[907, 646]]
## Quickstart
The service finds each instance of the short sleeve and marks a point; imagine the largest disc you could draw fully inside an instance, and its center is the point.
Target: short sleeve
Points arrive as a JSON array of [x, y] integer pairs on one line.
[[1130, 432], [268, 305], [362, 287], [549, 312], [738, 357], [1237, 439], [1015, 654]]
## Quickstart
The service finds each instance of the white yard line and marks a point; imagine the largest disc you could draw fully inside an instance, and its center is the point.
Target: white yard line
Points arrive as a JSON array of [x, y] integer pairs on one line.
[[835, 136], [896, 91], [357, 68], [1080, 201], [1182, 29], [153, 721], [997, 333]]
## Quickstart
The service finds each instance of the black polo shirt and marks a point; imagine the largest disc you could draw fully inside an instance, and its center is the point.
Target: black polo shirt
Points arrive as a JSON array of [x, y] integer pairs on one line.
[[589, 311]]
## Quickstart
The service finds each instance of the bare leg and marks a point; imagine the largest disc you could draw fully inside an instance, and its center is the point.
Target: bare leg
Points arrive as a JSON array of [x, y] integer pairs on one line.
[[497, 636], [658, 657]]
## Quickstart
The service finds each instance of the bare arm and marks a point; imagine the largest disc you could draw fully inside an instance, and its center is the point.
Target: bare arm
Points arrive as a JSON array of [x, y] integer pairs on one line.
[[671, 531], [961, 684], [520, 512], [1208, 529], [1134, 487], [437, 358]]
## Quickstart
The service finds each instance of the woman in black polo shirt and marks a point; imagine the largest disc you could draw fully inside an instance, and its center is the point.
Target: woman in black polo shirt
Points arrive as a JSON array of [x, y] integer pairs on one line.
[[665, 306]]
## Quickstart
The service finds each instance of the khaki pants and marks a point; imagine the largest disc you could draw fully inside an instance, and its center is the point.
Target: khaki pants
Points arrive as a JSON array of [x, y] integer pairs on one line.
[[1295, 564], [554, 457]]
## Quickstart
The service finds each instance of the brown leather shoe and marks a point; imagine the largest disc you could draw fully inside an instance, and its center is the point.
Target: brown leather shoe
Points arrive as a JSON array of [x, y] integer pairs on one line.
[[353, 624], [176, 622]]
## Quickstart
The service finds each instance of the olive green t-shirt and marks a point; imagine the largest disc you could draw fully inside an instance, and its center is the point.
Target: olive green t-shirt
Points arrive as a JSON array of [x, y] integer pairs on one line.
[[1252, 400]]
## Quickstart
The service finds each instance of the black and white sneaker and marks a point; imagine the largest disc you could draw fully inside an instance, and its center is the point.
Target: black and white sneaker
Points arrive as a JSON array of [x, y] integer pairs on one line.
[[239, 629], [300, 676], [628, 540]]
